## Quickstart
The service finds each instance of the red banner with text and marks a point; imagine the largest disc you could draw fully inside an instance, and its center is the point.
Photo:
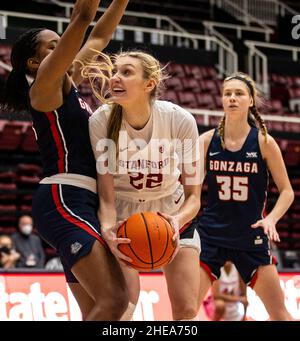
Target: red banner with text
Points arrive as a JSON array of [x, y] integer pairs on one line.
[[46, 297]]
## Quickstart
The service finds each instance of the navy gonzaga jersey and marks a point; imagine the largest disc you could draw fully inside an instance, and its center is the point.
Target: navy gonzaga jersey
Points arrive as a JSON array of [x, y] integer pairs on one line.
[[237, 191], [63, 138]]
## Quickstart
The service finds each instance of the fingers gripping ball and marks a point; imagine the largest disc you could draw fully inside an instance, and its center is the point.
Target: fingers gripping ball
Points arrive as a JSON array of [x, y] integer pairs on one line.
[[151, 244]]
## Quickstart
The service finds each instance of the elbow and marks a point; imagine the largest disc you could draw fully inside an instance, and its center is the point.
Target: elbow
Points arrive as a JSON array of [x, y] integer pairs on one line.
[[106, 39]]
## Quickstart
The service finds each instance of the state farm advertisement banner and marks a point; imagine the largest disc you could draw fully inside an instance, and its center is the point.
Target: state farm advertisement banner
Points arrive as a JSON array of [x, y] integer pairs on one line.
[[46, 297]]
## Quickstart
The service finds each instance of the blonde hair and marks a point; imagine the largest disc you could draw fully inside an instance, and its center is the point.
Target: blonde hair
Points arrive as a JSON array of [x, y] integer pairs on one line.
[[101, 71], [253, 115]]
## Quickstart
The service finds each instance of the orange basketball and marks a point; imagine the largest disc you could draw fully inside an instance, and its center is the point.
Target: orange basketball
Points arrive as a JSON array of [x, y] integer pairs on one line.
[[151, 244]]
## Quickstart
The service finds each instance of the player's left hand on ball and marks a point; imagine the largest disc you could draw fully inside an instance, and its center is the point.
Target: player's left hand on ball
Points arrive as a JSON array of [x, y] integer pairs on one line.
[[110, 236]]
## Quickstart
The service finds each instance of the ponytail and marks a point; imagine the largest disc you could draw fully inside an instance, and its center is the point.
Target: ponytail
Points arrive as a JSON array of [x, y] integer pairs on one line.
[[260, 121], [14, 95], [221, 131], [114, 123]]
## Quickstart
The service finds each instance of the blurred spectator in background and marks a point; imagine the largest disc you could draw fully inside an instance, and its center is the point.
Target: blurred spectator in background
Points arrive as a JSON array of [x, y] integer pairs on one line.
[[28, 245], [54, 264], [228, 301], [8, 255]]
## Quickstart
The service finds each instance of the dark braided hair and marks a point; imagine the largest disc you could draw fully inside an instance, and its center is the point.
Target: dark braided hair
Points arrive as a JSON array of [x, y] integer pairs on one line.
[[14, 96], [253, 115]]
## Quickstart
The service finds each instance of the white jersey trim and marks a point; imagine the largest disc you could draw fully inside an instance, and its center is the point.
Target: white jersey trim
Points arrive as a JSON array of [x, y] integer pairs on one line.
[[77, 180], [75, 215]]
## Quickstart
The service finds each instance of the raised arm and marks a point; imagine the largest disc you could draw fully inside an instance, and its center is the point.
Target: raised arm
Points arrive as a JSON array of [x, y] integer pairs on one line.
[[46, 92], [100, 35]]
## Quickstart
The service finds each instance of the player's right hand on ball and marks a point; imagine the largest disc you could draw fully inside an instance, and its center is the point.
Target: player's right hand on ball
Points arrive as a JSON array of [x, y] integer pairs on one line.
[[176, 237], [110, 236]]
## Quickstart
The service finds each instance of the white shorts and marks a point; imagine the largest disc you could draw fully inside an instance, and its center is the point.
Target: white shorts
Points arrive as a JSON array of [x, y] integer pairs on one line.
[[169, 205]]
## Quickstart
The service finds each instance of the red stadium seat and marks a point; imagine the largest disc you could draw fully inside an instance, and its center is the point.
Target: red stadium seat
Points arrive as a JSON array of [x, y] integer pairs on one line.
[[29, 143], [25, 209], [292, 153], [11, 136], [8, 208], [7, 177], [205, 101], [170, 95], [209, 73], [191, 84], [8, 187], [7, 230], [194, 71], [199, 119], [187, 99], [209, 86], [174, 83], [274, 107], [176, 70], [218, 102], [29, 169]]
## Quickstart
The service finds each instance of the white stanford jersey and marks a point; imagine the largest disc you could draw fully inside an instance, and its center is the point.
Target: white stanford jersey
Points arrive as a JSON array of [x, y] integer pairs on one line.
[[147, 168]]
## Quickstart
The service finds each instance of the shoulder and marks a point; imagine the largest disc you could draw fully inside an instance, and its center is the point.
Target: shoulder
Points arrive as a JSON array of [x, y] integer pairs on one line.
[[101, 114], [269, 147], [167, 107], [207, 136]]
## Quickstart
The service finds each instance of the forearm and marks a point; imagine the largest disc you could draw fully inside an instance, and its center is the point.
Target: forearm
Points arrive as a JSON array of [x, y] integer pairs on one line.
[[188, 210], [228, 298], [284, 201], [107, 215], [107, 24], [85, 9]]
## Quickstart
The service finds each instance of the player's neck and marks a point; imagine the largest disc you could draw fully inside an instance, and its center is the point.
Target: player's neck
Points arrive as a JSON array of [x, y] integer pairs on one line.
[[236, 129], [137, 115]]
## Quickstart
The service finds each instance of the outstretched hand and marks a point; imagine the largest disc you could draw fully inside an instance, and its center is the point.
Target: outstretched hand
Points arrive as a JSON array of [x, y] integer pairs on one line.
[[269, 228]]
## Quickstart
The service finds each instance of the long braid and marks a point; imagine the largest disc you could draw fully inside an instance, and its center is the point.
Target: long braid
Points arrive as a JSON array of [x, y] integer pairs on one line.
[[221, 131], [261, 122]]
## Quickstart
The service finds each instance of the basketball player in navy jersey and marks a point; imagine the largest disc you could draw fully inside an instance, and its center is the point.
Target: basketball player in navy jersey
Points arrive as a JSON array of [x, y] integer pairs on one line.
[[233, 226], [66, 203]]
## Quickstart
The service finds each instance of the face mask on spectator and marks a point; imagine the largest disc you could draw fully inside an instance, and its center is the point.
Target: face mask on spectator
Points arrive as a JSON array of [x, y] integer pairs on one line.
[[26, 229]]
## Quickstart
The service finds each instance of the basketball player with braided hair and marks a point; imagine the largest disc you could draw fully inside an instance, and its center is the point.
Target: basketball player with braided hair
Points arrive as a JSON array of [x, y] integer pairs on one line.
[[234, 227], [66, 202]]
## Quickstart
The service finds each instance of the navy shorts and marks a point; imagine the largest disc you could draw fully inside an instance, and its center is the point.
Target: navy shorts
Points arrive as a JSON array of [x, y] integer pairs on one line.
[[66, 218], [213, 257]]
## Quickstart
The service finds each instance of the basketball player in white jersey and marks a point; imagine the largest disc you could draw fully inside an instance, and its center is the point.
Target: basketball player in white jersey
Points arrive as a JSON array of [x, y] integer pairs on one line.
[[156, 144], [228, 301]]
